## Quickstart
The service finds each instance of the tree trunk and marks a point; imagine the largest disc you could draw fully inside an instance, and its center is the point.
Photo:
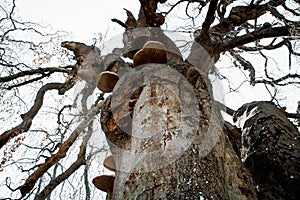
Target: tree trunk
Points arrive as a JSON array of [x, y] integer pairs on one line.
[[208, 166], [270, 150]]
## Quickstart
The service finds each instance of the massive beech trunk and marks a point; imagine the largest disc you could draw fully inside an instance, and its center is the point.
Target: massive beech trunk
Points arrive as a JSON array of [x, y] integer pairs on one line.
[[162, 124], [258, 161], [218, 175]]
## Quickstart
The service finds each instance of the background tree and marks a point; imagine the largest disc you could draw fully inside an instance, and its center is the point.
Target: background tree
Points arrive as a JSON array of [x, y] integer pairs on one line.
[[259, 159]]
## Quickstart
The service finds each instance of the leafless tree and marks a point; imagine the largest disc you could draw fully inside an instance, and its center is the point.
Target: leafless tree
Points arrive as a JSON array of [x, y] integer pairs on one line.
[[256, 157]]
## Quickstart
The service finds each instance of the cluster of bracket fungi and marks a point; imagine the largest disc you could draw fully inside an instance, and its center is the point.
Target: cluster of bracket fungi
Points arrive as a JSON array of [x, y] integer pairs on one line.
[[143, 51], [106, 182], [152, 52]]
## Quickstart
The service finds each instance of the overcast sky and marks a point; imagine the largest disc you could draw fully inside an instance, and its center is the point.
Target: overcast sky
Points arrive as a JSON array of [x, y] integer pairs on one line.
[[85, 19], [81, 18]]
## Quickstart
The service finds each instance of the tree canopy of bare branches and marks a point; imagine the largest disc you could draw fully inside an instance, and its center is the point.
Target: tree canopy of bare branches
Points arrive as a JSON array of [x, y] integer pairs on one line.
[[51, 143]]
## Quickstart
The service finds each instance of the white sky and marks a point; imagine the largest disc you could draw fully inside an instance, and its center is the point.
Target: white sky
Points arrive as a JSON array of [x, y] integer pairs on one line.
[[82, 18], [85, 19]]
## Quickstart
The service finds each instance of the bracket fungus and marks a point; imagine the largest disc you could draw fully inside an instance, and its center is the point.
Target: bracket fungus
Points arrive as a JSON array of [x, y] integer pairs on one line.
[[104, 183], [107, 81], [152, 52], [109, 163]]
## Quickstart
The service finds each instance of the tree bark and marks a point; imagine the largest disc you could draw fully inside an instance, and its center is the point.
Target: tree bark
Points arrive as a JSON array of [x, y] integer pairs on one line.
[[270, 150], [257, 160], [219, 174]]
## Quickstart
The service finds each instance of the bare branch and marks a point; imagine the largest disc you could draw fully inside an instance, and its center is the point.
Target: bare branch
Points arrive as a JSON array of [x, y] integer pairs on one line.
[[238, 16], [241, 14], [148, 16], [271, 46], [63, 149], [246, 64], [280, 80], [119, 22], [41, 71], [173, 6], [210, 17], [75, 166], [292, 115], [28, 117], [225, 108], [253, 36], [293, 11]]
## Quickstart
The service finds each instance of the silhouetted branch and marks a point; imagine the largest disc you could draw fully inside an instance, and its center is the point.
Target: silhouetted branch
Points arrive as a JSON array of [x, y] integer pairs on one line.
[[41, 71], [253, 36], [280, 80], [28, 117], [63, 149], [119, 22], [246, 64], [210, 17], [228, 110], [241, 14], [75, 166], [270, 46]]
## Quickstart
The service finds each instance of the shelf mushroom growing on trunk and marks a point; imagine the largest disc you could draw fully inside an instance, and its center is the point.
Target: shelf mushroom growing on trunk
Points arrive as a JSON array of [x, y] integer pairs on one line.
[[104, 183], [109, 163], [107, 81], [152, 52]]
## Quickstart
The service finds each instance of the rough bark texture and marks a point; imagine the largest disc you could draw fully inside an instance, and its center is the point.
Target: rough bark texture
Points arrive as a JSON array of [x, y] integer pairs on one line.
[[270, 150], [261, 162], [257, 160], [219, 175]]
